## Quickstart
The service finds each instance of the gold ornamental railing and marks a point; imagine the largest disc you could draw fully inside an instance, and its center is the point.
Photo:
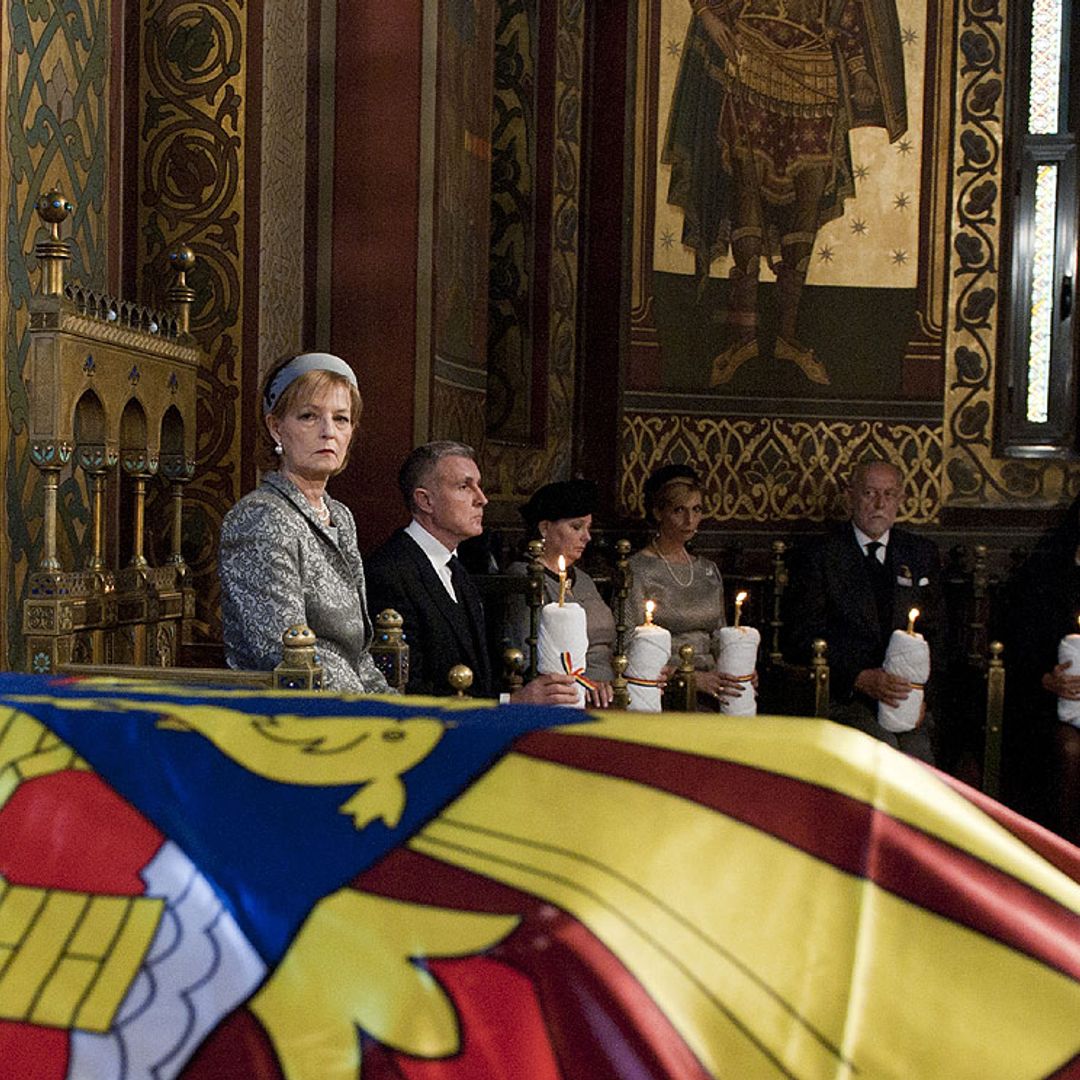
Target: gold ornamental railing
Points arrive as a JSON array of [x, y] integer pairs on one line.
[[112, 393]]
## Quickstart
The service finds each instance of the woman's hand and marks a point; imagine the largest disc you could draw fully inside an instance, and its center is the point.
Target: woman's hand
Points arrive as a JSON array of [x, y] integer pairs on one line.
[[716, 684], [1062, 685]]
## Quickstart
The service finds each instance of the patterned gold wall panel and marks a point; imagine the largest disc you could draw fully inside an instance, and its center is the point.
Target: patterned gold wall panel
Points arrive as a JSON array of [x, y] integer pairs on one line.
[[973, 476], [282, 201], [772, 470], [462, 203], [510, 472], [55, 86], [192, 122], [457, 413]]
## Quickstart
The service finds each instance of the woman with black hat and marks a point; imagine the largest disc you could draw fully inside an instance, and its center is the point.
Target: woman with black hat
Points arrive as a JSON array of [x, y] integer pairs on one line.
[[560, 514]]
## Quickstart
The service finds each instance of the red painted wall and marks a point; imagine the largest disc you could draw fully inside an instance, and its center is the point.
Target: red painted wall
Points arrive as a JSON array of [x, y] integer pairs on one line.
[[373, 290]]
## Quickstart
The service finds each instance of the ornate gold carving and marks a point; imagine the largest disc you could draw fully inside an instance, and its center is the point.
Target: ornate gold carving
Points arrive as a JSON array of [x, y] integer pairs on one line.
[[760, 469], [972, 475], [511, 471]]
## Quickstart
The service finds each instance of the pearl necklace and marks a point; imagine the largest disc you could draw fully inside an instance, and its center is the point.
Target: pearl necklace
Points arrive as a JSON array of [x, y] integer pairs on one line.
[[322, 511], [671, 569]]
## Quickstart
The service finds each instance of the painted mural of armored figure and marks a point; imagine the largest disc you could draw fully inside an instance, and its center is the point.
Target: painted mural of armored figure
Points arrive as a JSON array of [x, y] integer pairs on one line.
[[757, 141]]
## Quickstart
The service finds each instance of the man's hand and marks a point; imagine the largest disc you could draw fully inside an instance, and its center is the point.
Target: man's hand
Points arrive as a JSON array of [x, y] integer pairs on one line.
[[1062, 685], [881, 686], [547, 690], [599, 696]]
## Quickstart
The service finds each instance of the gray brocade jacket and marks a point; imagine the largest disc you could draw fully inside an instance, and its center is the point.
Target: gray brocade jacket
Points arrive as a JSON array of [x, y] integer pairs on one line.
[[279, 566]]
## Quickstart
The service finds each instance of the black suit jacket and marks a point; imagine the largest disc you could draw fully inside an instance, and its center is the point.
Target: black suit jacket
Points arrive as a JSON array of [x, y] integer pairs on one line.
[[440, 633], [831, 596]]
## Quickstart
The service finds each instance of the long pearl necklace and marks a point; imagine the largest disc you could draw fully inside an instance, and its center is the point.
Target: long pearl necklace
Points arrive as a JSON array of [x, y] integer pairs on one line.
[[671, 569]]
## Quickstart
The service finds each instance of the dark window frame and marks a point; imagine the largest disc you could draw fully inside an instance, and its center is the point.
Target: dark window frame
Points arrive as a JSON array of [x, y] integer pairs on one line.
[[1017, 436]]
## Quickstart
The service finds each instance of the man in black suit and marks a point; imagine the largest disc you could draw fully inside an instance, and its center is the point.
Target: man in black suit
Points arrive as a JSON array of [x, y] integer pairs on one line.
[[854, 588], [417, 573]]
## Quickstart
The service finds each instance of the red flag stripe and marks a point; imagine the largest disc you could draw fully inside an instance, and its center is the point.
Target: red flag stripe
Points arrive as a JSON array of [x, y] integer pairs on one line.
[[835, 828]]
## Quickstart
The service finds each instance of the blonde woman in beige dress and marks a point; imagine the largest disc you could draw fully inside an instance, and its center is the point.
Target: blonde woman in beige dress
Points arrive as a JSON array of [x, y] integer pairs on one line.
[[687, 589]]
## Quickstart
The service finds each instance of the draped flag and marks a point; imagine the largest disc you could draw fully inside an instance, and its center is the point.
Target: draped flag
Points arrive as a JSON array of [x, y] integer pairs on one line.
[[216, 883]]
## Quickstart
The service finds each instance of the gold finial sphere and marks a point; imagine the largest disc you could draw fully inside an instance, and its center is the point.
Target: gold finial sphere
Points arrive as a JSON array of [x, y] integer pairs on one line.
[[460, 678], [389, 619], [619, 662], [53, 208], [686, 654], [182, 258], [514, 659], [298, 635]]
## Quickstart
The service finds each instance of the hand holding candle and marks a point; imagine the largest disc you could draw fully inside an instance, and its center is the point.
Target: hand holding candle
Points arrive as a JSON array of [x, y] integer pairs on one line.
[[908, 655], [1068, 710]]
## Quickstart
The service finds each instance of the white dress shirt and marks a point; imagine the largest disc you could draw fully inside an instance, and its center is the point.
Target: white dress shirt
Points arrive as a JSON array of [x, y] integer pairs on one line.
[[863, 539], [437, 554]]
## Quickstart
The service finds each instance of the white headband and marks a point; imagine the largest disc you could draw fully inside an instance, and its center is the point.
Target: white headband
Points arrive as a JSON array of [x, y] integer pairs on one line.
[[301, 365]]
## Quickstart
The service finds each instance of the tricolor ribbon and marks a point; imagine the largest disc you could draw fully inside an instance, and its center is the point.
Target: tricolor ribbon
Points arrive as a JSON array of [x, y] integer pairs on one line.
[[578, 673], [633, 680]]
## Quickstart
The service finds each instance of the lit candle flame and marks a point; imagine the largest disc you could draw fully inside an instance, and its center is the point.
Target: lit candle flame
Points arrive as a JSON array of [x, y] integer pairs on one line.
[[562, 580], [740, 599], [912, 615], [650, 607]]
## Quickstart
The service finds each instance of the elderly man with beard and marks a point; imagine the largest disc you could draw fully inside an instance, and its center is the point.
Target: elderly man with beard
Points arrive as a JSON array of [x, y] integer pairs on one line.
[[857, 585]]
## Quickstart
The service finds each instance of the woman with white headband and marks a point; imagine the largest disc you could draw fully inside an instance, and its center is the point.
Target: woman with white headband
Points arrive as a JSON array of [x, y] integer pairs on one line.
[[288, 551]]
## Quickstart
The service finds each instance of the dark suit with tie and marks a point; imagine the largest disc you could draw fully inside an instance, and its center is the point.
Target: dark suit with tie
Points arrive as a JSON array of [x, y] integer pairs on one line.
[[838, 594], [440, 632]]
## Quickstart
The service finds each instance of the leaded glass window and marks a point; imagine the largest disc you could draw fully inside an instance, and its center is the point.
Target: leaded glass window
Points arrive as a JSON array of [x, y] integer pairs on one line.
[[1039, 395]]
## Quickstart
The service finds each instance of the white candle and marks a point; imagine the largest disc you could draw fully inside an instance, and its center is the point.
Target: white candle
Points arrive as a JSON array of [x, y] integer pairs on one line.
[[908, 656], [648, 651], [562, 631], [737, 655], [1069, 652]]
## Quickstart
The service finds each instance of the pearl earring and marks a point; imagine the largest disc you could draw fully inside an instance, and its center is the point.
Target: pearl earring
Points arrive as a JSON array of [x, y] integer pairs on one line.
[[278, 449]]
